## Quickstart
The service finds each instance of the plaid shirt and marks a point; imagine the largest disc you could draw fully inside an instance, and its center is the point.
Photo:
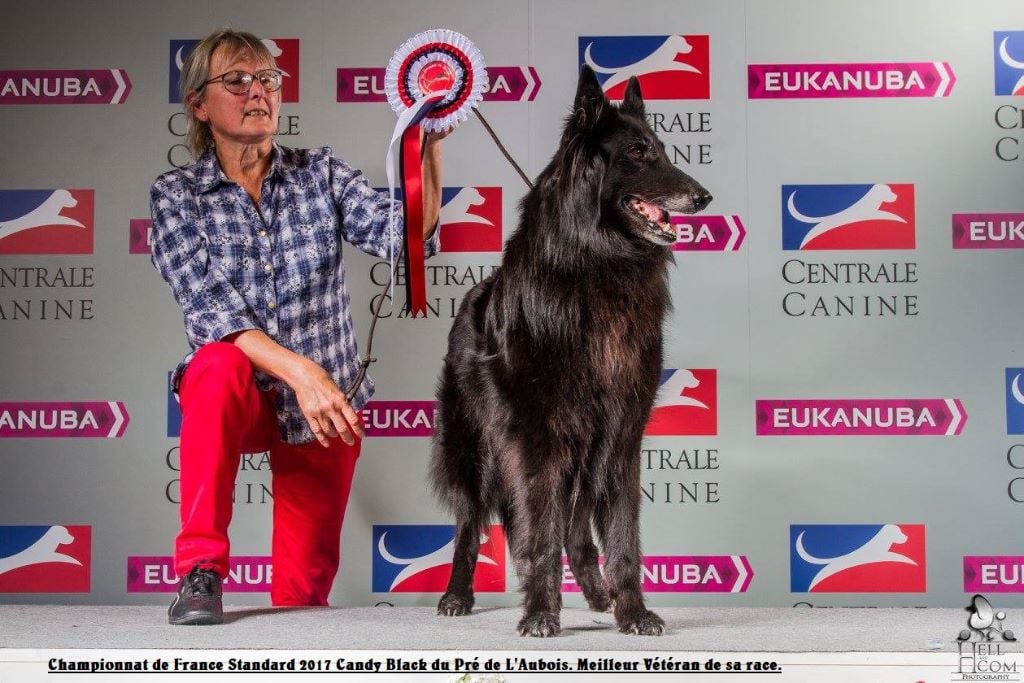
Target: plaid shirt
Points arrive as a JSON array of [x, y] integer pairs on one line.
[[276, 267]]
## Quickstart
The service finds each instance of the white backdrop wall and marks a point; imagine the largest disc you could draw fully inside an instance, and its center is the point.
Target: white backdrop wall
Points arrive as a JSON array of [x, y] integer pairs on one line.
[[924, 322]]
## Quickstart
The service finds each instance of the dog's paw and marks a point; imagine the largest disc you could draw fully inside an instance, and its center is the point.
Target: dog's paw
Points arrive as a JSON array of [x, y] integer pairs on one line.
[[600, 602], [452, 605], [643, 623], [540, 625]]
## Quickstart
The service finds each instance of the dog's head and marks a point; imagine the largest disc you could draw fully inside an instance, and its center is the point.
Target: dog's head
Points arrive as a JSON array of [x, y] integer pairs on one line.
[[614, 147]]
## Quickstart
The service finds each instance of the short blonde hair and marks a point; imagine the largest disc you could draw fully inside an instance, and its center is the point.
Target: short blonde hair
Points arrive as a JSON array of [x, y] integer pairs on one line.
[[195, 71]]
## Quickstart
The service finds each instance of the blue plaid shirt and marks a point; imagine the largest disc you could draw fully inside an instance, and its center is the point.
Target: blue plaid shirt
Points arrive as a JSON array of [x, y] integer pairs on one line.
[[276, 267]]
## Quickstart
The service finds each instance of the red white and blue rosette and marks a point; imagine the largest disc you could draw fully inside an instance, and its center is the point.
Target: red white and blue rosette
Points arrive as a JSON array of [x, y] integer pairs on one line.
[[432, 82], [439, 62]]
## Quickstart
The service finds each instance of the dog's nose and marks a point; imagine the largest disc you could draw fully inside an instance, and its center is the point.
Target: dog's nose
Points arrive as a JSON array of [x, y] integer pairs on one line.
[[701, 198]]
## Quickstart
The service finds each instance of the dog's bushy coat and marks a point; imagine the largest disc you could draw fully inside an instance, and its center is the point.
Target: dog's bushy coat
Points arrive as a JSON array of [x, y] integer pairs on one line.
[[553, 364]]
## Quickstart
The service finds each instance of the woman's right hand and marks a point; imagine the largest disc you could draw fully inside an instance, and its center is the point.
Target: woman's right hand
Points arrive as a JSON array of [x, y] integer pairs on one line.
[[324, 405]]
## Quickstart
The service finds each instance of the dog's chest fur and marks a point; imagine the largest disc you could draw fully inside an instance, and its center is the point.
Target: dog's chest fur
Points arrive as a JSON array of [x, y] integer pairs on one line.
[[623, 333], [586, 337]]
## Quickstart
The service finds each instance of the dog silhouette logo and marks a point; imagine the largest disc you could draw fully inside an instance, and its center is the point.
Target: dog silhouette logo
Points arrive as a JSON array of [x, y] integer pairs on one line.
[[856, 558], [875, 550], [415, 565], [277, 52], [1009, 62], [668, 57], [672, 67], [411, 558], [867, 208], [1014, 401], [50, 221], [45, 559], [49, 212], [471, 219], [673, 391], [42, 551], [875, 216], [686, 404], [456, 210]]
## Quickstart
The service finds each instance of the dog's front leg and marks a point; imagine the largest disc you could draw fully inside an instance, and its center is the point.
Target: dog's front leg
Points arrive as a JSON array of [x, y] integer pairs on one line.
[[619, 528], [539, 553], [458, 599]]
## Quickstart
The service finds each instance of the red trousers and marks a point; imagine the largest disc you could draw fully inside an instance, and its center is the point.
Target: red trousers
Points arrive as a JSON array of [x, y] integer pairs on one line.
[[224, 414]]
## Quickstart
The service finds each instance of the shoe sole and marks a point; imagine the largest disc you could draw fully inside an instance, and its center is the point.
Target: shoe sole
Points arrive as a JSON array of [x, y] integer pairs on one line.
[[196, 619], [193, 618]]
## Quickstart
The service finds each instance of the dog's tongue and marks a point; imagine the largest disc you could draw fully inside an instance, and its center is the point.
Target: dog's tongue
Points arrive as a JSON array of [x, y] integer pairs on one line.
[[652, 212]]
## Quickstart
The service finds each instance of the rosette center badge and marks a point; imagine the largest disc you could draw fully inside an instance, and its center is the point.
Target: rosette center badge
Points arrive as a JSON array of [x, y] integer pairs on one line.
[[442, 64]]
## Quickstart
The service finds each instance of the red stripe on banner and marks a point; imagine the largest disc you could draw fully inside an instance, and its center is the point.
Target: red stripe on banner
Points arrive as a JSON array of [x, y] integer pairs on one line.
[[412, 182]]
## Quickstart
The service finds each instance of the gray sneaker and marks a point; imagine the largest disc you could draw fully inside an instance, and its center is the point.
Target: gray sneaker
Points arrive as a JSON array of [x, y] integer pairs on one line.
[[199, 600]]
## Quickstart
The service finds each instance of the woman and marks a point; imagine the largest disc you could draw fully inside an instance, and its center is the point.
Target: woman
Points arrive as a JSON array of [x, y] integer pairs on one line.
[[248, 238]]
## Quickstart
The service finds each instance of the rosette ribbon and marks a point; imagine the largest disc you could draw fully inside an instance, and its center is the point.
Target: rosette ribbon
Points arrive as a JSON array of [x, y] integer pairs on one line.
[[432, 82]]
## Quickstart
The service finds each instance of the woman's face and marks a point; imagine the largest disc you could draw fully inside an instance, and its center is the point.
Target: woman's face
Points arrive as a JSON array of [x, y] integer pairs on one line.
[[242, 119]]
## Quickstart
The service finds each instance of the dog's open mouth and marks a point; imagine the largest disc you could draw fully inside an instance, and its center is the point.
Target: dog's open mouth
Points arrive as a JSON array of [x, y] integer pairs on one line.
[[654, 216]]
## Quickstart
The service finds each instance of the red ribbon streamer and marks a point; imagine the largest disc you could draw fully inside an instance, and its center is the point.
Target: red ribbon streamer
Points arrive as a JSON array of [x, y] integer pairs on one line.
[[412, 210]]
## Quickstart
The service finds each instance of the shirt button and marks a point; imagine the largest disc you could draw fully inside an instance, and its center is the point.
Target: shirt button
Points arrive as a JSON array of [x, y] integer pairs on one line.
[[263, 233], [271, 305], [267, 267]]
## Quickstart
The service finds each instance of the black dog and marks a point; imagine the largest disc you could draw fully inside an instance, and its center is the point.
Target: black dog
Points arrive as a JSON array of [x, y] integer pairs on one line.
[[553, 363]]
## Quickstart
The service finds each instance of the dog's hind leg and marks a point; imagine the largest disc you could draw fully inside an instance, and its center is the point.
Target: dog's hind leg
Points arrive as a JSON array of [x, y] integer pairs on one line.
[[458, 598], [618, 525], [582, 552]]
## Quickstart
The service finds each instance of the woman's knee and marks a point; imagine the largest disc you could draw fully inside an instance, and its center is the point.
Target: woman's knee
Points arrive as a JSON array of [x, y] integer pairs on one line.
[[221, 357], [218, 365]]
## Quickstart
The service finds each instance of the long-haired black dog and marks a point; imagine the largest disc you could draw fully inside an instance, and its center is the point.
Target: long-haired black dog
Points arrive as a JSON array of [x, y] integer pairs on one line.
[[553, 363]]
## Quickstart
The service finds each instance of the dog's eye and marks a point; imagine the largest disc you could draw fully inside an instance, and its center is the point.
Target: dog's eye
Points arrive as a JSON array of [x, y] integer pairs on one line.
[[638, 150]]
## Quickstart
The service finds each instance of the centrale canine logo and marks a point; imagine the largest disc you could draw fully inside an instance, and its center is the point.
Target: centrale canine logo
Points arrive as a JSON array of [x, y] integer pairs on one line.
[[668, 67], [45, 559], [864, 216], [1014, 401], [1009, 62], [687, 404], [417, 558], [51, 221], [857, 558]]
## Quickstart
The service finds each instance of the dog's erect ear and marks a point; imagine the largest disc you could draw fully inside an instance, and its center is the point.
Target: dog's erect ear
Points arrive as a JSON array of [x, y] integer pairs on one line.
[[633, 102], [590, 100]]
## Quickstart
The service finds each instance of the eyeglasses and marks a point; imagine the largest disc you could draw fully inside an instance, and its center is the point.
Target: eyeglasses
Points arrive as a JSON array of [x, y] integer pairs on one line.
[[239, 82]]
